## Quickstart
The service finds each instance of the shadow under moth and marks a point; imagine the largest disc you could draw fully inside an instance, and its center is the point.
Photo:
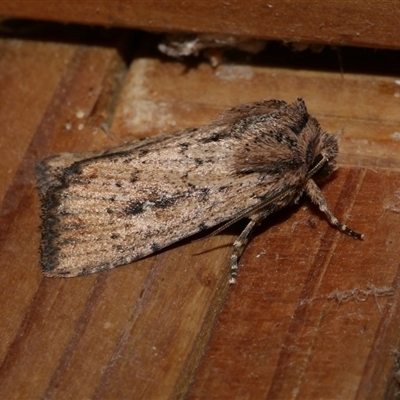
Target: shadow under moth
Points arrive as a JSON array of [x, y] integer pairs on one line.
[[105, 209]]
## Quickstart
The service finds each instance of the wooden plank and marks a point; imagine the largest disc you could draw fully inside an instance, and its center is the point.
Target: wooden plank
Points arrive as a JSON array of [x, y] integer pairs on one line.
[[307, 327], [141, 330], [350, 23], [73, 78], [307, 319], [137, 316], [22, 107], [17, 84]]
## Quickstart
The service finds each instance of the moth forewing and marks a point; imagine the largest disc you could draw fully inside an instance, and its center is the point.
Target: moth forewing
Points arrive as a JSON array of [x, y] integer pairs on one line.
[[105, 209]]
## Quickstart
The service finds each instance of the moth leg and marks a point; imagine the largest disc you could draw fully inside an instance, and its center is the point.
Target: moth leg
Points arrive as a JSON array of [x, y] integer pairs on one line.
[[241, 242], [317, 197]]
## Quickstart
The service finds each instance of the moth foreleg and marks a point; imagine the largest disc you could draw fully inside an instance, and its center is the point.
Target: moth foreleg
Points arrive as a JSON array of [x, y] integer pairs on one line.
[[238, 247], [317, 197]]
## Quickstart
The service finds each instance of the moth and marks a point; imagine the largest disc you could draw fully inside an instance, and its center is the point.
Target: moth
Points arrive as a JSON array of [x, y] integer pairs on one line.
[[105, 209]]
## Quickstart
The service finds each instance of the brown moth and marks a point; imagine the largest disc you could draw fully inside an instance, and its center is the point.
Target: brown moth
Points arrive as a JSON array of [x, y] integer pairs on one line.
[[106, 209]]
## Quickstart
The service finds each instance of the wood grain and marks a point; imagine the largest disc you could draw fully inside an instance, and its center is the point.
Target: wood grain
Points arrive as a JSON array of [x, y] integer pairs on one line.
[[351, 23], [67, 86], [293, 337], [168, 326]]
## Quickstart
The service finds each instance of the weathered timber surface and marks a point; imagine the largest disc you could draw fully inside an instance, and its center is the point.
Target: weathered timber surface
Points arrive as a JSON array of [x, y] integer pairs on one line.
[[314, 314]]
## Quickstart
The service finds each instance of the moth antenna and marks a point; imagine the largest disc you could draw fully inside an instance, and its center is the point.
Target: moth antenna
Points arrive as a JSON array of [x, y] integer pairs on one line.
[[317, 167], [247, 213]]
